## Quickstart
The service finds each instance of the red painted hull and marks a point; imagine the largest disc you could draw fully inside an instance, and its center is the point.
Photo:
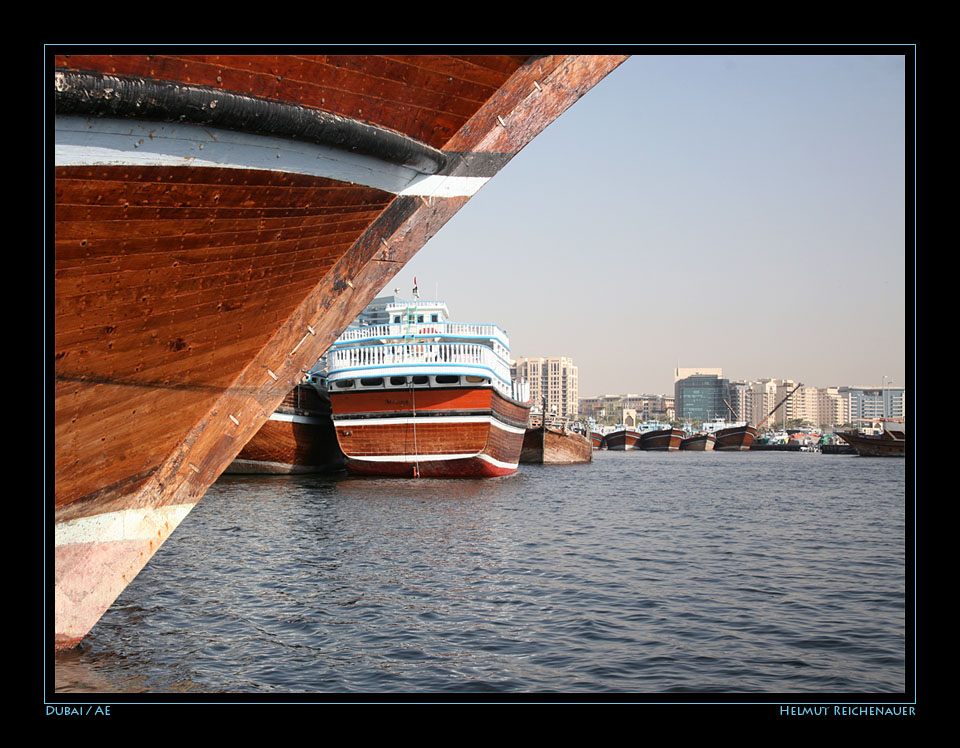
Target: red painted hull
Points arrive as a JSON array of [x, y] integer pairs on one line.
[[735, 438], [191, 292], [665, 440], [430, 433]]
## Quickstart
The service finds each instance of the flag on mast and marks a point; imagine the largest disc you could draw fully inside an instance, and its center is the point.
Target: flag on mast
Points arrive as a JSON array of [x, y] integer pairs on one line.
[[416, 292]]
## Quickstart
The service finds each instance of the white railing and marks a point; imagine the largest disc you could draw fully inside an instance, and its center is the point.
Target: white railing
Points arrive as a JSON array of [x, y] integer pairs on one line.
[[445, 329], [454, 356], [399, 306]]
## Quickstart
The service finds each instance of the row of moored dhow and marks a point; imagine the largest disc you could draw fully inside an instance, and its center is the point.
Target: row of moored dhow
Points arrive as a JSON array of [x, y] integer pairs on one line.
[[419, 396], [669, 439]]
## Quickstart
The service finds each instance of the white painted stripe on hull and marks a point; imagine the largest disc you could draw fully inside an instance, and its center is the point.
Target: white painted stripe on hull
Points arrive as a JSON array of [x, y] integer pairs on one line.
[[434, 458], [126, 524], [490, 420], [244, 466], [82, 141], [290, 418]]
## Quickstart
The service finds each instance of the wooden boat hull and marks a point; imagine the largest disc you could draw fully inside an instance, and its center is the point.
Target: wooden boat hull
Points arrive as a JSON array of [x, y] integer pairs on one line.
[[455, 432], [622, 440], [219, 220], [888, 444], [664, 440], [555, 447], [699, 443], [598, 440], [299, 438], [735, 438]]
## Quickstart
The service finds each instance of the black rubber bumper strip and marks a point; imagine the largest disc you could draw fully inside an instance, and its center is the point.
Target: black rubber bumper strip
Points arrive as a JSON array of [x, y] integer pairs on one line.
[[97, 95]]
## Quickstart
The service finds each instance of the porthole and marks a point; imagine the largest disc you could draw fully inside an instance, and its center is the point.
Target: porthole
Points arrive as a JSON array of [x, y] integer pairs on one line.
[[372, 381]]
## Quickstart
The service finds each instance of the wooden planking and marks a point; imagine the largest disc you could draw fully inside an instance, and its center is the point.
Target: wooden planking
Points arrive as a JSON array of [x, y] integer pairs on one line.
[[249, 287], [504, 445], [210, 188], [427, 222], [511, 411], [104, 451], [425, 436], [426, 97], [540, 93], [208, 445], [663, 440], [398, 439], [298, 445]]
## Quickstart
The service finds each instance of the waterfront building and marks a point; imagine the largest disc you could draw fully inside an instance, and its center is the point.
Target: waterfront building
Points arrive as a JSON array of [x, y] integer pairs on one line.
[[767, 394], [610, 408], [740, 399], [867, 403], [833, 409], [553, 382], [701, 394], [819, 406]]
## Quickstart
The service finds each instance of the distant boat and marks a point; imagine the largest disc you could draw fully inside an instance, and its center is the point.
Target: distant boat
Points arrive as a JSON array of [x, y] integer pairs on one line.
[[890, 442], [598, 440], [738, 437], [698, 443], [298, 438], [665, 440], [426, 397], [550, 445], [622, 439], [218, 219]]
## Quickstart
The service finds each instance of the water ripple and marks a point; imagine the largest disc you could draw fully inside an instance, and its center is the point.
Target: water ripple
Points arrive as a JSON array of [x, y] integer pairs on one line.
[[640, 573]]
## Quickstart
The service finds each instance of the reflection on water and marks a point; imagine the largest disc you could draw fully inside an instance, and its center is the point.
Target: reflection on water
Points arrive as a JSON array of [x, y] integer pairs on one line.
[[640, 573]]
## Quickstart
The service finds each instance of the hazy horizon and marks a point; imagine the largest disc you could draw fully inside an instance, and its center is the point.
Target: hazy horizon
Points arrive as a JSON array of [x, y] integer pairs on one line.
[[738, 212]]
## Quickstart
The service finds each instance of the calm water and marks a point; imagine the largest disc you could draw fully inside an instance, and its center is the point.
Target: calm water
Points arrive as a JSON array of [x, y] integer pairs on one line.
[[643, 573]]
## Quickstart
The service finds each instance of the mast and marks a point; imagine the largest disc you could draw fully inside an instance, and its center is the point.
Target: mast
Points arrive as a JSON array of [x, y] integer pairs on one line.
[[778, 405]]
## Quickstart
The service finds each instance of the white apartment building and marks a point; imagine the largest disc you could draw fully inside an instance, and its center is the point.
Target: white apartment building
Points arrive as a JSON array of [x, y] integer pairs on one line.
[[553, 381], [867, 403]]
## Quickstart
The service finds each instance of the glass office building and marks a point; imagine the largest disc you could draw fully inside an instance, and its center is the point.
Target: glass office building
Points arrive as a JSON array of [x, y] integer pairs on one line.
[[702, 397]]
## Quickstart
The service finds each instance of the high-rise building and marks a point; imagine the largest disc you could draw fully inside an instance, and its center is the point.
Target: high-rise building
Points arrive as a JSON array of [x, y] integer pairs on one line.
[[818, 406], [701, 394], [553, 381], [870, 403], [767, 406]]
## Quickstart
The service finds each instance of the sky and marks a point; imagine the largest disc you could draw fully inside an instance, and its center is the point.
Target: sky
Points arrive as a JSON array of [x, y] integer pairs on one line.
[[748, 213]]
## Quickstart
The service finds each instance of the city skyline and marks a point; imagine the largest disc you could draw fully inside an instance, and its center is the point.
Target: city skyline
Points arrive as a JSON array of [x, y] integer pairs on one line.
[[747, 212]]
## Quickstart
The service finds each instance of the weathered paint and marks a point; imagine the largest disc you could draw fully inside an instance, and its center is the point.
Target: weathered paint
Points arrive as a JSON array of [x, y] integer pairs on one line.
[[554, 446], [117, 544]]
